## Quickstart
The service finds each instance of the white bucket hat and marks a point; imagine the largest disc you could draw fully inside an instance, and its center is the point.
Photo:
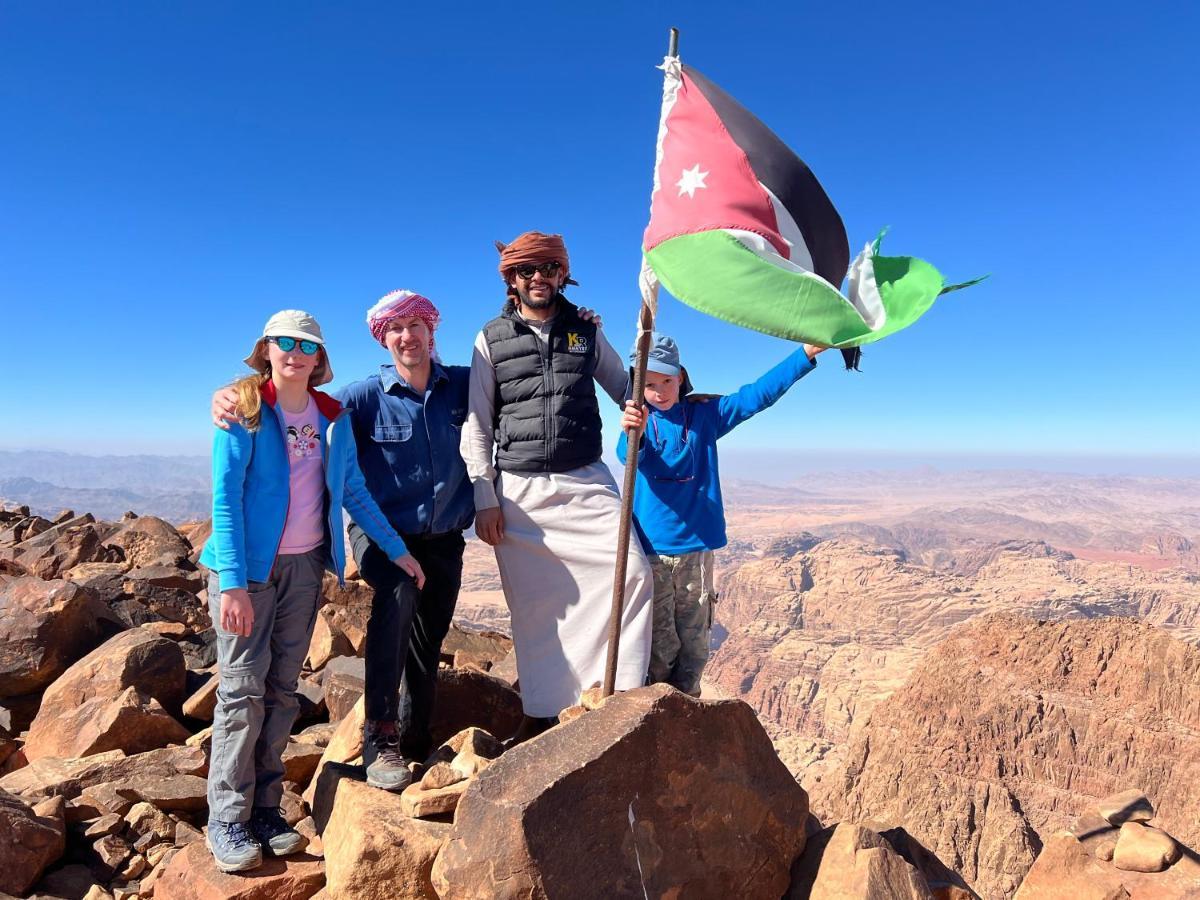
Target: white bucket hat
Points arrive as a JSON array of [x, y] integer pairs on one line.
[[298, 324]]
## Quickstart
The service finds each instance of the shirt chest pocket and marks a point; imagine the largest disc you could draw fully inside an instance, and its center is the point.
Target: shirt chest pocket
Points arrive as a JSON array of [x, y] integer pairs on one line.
[[392, 434]]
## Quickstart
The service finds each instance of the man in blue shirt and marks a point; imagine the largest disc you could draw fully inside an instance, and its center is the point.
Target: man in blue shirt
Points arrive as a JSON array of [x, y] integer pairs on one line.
[[407, 421]]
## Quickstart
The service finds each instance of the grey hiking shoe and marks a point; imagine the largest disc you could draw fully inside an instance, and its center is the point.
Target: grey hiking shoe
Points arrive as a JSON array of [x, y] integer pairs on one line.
[[277, 837], [386, 766], [233, 846]]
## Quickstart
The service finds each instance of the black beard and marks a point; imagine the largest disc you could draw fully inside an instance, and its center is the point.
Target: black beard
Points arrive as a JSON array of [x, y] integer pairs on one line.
[[528, 301]]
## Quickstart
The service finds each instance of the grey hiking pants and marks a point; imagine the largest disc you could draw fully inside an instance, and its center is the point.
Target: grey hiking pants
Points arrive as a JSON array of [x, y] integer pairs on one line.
[[256, 696]]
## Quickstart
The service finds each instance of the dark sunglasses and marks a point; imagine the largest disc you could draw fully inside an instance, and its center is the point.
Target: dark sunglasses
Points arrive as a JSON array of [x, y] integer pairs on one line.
[[547, 269], [288, 344]]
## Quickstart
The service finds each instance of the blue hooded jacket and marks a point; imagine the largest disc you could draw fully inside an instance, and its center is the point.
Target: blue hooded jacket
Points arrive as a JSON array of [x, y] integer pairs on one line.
[[251, 491]]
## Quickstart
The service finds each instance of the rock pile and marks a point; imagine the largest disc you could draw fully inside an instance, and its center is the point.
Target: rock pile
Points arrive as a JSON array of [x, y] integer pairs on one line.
[[107, 689]]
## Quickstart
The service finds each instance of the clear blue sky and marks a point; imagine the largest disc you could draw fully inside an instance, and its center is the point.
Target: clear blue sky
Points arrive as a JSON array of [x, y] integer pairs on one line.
[[172, 173]]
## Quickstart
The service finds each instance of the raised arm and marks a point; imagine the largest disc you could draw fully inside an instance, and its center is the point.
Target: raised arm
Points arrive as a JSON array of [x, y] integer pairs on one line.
[[751, 399]]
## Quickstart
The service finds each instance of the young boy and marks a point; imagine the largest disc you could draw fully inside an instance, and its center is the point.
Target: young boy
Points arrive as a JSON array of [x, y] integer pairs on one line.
[[677, 504]]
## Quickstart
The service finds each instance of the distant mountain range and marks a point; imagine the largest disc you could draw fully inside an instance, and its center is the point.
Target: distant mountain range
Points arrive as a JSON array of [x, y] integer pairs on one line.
[[176, 488]]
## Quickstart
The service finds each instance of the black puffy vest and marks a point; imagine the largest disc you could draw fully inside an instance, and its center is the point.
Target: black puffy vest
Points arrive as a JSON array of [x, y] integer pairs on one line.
[[547, 417]]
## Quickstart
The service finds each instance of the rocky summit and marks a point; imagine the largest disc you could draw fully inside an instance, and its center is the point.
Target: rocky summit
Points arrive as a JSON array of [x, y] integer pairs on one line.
[[965, 754]]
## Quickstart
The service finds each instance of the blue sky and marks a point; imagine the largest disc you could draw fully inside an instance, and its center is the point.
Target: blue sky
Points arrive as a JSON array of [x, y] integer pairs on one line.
[[170, 174]]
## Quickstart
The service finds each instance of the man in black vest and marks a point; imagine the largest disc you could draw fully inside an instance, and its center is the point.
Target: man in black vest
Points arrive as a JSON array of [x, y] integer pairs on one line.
[[532, 443]]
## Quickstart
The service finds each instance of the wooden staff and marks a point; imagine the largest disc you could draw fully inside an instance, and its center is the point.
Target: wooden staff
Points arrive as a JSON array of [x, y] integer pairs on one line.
[[645, 329]]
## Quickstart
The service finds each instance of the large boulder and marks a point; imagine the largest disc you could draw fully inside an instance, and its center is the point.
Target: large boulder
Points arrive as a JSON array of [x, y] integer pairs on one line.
[[28, 843], [44, 627], [389, 860], [192, 875], [91, 709], [466, 698], [147, 540], [67, 778], [653, 794], [48, 558], [1069, 869]]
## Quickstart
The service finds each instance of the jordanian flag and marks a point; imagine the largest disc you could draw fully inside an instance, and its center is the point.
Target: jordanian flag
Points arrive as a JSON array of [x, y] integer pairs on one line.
[[741, 229]]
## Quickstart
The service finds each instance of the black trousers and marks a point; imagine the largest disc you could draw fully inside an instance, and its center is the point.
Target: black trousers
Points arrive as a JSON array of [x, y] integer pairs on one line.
[[406, 630]]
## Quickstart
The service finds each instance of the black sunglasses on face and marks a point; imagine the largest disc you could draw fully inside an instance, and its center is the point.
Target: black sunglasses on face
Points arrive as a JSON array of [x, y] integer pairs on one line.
[[547, 269], [288, 344]]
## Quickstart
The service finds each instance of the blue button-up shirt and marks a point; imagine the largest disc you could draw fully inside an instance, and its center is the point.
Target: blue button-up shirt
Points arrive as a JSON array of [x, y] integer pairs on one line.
[[408, 447]]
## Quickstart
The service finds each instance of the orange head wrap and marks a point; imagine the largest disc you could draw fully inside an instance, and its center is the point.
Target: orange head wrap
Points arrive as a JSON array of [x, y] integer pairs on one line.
[[533, 247]]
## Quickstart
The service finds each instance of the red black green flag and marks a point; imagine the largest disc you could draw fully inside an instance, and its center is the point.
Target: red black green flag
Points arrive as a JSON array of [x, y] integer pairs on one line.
[[741, 229]]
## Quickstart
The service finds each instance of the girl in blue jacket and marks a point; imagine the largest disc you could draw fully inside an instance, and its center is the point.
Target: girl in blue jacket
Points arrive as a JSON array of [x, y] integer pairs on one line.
[[677, 503], [281, 476]]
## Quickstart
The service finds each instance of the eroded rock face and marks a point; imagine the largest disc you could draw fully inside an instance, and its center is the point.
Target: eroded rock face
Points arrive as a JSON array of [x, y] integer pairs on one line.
[[28, 843], [44, 627], [1012, 728], [680, 798], [817, 638], [390, 859], [119, 696]]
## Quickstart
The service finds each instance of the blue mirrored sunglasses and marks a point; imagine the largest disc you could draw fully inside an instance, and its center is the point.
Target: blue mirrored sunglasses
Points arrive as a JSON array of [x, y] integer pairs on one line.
[[288, 344]]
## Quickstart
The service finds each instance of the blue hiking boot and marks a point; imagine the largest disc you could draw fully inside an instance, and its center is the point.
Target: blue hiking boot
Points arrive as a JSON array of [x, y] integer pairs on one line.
[[277, 837], [233, 846]]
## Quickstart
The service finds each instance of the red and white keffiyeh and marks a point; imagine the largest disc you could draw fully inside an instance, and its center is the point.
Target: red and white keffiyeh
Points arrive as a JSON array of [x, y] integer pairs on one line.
[[401, 303]]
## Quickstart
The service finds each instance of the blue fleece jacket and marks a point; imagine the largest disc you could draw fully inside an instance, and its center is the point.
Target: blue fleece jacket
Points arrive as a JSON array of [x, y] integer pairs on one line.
[[678, 497], [251, 490]]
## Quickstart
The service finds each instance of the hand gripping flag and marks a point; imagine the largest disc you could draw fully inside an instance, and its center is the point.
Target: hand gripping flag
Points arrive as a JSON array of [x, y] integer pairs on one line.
[[741, 229]]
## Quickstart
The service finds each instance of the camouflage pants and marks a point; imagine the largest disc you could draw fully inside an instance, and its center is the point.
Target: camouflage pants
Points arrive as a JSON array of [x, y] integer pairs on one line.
[[683, 613]]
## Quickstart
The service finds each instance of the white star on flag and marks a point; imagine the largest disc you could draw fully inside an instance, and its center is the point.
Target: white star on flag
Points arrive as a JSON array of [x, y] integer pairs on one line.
[[691, 180]]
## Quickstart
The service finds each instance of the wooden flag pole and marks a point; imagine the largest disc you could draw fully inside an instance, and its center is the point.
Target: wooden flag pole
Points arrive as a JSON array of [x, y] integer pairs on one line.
[[645, 329]]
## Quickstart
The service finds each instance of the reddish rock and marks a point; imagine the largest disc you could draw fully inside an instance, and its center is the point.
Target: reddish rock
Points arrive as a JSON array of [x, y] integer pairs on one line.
[[391, 858], [486, 648], [1127, 806], [177, 577], [345, 746], [70, 547], [109, 823], [108, 856], [131, 722], [202, 703], [69, 777], [44, 627], [327, 642], [28, 843], [178, 793], [851, 861], [343, 683], [79, 714], [146, 540], [300, 761], [1067, 869], [191, 875], [466, 698], [680, 797], [1140, 848]]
